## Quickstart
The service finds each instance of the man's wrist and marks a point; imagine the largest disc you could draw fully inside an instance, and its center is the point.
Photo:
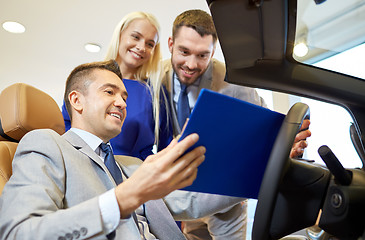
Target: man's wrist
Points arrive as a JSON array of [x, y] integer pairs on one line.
[[127, 199]]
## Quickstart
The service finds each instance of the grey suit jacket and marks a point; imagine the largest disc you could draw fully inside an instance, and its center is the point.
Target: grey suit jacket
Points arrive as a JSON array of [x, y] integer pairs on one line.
[[54, 192]]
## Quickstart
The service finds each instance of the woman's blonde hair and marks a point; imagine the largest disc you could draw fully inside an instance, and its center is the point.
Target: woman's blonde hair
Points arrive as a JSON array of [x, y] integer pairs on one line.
[[150, 70]]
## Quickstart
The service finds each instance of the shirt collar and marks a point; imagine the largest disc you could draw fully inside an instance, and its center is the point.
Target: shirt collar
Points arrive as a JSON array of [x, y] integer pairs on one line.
[[91, 140], [177, 85]]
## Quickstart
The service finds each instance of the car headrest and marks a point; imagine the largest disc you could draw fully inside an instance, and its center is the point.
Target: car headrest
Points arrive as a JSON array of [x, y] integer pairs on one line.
[[24, 108]]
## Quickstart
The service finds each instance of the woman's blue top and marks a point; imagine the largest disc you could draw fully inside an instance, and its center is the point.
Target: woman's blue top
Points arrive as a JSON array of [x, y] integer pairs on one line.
[[137, 136]]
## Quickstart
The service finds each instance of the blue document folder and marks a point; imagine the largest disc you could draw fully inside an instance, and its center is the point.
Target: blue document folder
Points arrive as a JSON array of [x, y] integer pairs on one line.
[[238, 137]]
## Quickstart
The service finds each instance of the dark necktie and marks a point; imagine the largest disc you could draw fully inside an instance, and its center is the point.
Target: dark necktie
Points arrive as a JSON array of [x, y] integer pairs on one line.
[[183, 109], [110, 163]]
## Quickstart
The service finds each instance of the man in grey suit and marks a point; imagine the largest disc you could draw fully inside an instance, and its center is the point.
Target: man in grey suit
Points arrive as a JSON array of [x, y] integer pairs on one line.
[[192, 67], [67, 187]]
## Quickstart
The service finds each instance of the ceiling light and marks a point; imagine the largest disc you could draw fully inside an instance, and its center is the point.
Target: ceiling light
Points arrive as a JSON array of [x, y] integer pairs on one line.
[[92, 47], [13, 27], [301, 49]]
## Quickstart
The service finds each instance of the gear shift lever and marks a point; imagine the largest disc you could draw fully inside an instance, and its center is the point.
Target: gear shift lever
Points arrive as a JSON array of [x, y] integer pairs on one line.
[[343, 176]]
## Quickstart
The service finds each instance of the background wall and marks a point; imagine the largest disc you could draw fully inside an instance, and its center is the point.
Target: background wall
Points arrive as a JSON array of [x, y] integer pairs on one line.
[[56, 31]]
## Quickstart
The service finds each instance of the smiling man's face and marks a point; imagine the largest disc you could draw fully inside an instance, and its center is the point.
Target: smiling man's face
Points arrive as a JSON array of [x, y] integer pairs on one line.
[[190, 54], [103, 106]]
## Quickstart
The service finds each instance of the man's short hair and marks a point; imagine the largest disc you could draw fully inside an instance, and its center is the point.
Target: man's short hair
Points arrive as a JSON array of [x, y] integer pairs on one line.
[[196, 19], [81, 77]]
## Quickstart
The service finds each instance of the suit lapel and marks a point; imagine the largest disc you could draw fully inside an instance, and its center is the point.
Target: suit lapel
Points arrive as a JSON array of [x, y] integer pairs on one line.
[[82, 146], [206, 79], [168, 81], [161, 222]]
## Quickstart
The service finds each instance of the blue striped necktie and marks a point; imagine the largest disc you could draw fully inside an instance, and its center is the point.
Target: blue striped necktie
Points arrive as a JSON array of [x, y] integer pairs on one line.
[[183, 108], [110, 163]]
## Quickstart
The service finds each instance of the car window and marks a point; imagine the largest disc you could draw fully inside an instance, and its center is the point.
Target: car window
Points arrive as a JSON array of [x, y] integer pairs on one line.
[[331, 35], [330, 125]]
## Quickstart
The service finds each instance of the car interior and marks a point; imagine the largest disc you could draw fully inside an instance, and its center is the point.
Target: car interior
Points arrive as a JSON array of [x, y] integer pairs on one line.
[[258, 39], [23, 108]]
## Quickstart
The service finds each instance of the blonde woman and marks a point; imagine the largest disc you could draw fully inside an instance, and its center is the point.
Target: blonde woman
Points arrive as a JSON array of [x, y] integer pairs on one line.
[[135, 46]]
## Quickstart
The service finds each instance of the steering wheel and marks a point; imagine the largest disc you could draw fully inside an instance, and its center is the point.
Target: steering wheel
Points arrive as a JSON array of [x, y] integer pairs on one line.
[[275, 170]]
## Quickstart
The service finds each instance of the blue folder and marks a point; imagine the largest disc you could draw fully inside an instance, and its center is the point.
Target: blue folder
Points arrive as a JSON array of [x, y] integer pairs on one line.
[[238, 137]]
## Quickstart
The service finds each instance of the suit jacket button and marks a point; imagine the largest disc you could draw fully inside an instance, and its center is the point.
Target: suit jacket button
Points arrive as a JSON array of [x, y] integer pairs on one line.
[[69, 236], [83, 231], [76, 234]]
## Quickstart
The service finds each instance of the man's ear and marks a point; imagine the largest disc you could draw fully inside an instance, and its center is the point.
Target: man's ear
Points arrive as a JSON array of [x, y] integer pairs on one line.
[[76, 100], [170, 43]]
